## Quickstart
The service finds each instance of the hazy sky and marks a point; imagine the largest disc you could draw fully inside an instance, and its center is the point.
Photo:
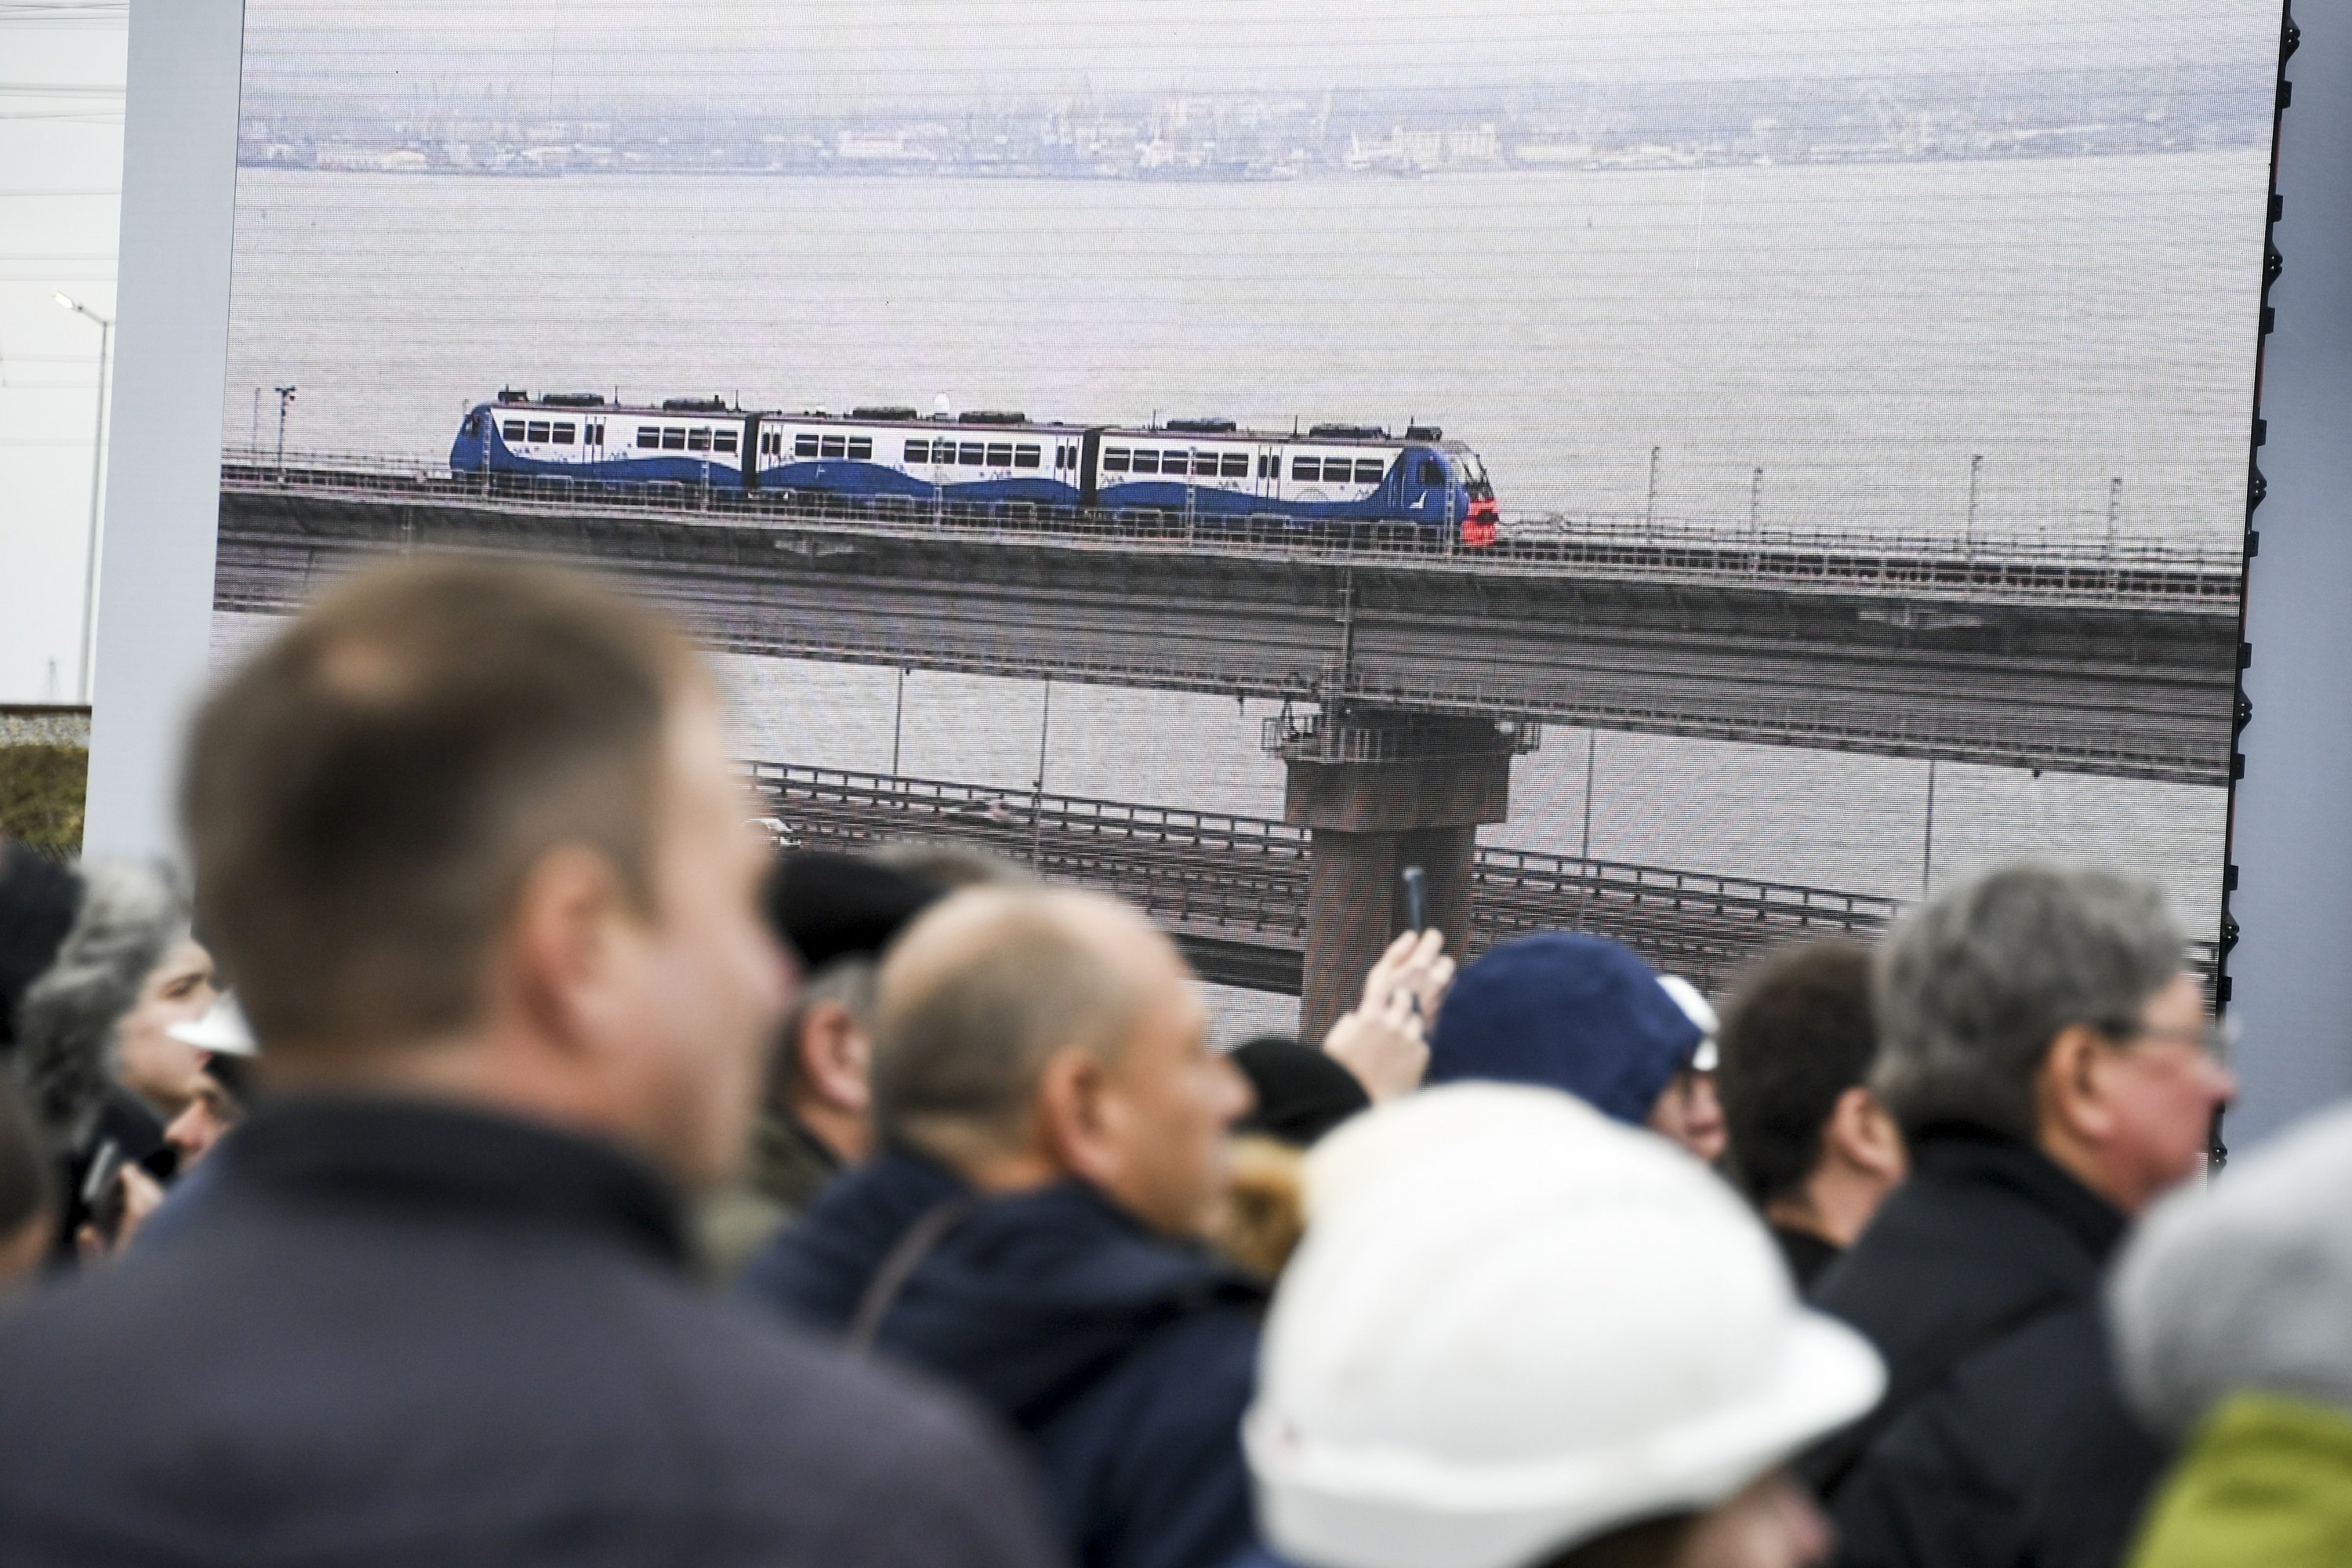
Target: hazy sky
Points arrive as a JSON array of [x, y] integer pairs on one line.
[[60, 171], [871, 51]]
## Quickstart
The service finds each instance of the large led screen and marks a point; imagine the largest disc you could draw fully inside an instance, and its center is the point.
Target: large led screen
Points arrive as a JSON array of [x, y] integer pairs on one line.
[[1708, 472]]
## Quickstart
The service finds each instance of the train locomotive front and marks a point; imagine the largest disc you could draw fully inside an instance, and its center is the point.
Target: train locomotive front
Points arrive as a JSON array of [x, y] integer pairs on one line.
[[1211, 473]]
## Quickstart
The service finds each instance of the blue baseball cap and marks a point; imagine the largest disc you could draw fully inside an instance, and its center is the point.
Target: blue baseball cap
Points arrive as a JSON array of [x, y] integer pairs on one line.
[[1567, 1012]]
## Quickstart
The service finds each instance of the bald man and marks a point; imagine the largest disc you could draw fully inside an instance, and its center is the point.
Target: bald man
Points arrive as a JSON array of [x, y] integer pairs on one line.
[[1053, 1129]]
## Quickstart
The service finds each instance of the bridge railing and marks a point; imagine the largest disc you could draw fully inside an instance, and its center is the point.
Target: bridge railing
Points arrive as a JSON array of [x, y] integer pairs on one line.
[[1230, 875], [1895, 557]]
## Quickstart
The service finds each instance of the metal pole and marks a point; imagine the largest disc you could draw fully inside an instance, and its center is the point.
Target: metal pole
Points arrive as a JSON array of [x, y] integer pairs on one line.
[[254, 440], [285, 401], [96, 476], [2115, 513], [1037, 791], [1584, 844], [1927, 839], [898, 721], [1976, 469], [1756, 520], [1649, 507]]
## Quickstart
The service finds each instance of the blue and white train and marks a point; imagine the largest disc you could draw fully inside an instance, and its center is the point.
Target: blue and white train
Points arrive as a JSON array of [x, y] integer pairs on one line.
[[1334, 475]]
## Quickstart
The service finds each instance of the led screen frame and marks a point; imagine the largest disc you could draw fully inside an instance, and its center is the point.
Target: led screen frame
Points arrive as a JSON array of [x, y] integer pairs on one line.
[[111, 821]]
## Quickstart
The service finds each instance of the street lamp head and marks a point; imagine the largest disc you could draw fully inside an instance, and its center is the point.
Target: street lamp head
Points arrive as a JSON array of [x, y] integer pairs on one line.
[[66, 300]]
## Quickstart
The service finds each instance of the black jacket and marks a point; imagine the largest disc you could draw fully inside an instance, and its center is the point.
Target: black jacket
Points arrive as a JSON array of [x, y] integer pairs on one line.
[[2004, 1441], [405, 1335], [1807, 1255], [1127, 1359], [38, 898]]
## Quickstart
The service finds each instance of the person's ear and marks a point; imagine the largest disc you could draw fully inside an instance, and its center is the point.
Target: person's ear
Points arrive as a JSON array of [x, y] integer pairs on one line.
[[1070, 1112], [833, 1057], [562, 944], [2070, 1089], [1862, 1134]]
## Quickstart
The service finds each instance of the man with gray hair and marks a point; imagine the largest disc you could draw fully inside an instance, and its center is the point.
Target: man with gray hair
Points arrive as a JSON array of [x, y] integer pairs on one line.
[[1052, 1126], [2053, 1069]]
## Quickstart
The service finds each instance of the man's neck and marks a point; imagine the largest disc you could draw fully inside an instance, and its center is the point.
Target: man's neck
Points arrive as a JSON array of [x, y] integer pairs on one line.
[[843, 1134], [466, 1071], [2085, 1164], [1834, 1204], [990, 1166]]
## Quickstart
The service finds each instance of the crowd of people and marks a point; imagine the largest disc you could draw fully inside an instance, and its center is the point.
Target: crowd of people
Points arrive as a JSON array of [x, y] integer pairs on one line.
[[569, 1177]]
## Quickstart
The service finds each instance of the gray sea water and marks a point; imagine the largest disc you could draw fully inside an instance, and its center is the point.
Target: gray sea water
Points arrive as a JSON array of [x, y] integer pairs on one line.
[[1860, 332]]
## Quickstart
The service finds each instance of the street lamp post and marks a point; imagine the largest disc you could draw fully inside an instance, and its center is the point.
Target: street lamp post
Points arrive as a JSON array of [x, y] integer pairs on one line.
[[284, 400], [97, 472]]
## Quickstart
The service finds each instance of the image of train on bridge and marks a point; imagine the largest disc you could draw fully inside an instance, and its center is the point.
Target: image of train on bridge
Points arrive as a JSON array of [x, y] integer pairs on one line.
[[890, 462], [1710, 550]]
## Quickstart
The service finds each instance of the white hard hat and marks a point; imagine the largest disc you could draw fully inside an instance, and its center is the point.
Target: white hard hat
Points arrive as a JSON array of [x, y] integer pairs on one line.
[[222, 1029], [1514, 1325], [1699, 1011]]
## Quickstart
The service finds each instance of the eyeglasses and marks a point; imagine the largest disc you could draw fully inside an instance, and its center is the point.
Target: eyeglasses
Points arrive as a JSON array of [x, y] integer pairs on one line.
[[2217, 1037]]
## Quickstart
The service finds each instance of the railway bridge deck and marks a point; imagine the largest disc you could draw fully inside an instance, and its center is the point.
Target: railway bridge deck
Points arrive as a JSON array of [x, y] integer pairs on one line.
[[2122, 666]]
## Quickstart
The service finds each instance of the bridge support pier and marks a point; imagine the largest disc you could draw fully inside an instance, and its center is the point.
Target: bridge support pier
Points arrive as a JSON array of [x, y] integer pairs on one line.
[[1380, 792]]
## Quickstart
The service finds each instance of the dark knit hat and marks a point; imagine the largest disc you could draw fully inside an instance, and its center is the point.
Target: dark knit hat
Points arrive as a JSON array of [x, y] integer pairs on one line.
[[1568, 1012], [831, 906], [1301, 1093]]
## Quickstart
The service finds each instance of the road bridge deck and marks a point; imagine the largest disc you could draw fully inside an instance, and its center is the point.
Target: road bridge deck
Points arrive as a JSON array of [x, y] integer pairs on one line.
[[1233, 889], [2123, 668]]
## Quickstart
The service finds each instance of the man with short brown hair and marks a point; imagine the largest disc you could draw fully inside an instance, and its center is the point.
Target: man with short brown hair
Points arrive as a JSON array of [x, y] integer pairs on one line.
[[468, 838]]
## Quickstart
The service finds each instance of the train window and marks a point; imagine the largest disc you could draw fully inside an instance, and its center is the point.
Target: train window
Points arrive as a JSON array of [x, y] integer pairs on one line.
[[1369, 470], [918, 451], [563, 434], [1234, 465], [1024, 457], [833, 446], [1205, 464], [999, 455], [537, 432], [1306, 467], [1146, 462], [970, 455], [1114, 459], [804, 445], [1433, 472], [698, 438], [722, 440], [861, 447], [512, 430], [596, 434], [649, 436]]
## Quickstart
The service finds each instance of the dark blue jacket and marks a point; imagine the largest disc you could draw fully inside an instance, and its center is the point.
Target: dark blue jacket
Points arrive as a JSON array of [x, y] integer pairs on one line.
[[406, 1335], [1126, 1358]]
